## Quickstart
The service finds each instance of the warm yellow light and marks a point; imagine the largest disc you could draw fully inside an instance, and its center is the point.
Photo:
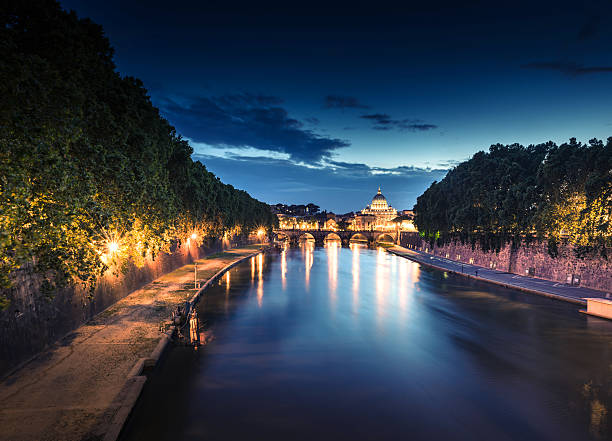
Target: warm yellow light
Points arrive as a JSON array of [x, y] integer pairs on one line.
[[261, 232], [113, 247], [193, 236]]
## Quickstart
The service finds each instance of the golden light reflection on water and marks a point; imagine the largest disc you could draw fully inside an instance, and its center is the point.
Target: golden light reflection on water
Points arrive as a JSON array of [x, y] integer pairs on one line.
[[598, 418], [307, 253], [227, 289], [252, 269], [260, 258], [332, 267], [382, 283], [356, 249], [284, 268]]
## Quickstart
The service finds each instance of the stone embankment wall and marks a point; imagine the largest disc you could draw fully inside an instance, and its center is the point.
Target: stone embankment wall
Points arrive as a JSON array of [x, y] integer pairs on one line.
[[35, 320], [528, 260]]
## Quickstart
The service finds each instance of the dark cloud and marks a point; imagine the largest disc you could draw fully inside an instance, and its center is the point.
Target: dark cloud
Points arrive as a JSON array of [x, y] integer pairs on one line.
[[419, 127], [245, 120], [337, 186], [312, 120], [343, 102], [567, 68], [449, 163], [379, 118], [382, 121]]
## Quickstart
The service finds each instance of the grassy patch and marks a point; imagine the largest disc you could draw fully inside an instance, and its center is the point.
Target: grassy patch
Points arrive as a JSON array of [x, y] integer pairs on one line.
[[219, 255]]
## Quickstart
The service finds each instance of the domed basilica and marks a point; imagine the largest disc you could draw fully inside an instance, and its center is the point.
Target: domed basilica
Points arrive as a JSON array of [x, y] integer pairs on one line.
[[376, 216]]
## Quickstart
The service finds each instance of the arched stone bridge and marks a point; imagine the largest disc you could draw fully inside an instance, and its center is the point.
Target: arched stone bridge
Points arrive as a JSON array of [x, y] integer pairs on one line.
[[319, 236]]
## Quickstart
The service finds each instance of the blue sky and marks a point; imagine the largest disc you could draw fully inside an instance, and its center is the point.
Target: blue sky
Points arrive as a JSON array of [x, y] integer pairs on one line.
[[319, 102]]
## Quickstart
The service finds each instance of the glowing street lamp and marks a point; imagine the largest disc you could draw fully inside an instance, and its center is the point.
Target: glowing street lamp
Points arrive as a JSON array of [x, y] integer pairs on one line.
[[113, 247], [194, 236]]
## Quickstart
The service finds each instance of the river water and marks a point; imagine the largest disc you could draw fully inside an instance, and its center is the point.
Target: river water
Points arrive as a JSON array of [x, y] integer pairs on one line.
[[353, 343]]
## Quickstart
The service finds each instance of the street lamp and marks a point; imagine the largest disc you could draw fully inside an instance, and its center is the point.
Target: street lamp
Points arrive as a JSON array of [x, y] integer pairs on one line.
[[113, 247]]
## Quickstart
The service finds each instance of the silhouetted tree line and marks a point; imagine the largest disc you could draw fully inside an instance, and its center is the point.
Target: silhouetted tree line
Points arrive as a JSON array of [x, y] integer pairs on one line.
[[296, 210], [86, 159], [515, 194]]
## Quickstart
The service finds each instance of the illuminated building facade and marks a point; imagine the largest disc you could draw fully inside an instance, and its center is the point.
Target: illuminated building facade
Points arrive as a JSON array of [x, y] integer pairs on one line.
[[378, 215]]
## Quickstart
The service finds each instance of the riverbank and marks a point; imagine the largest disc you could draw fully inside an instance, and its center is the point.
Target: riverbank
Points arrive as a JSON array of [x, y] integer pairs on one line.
[[559, 291], [86, 384]]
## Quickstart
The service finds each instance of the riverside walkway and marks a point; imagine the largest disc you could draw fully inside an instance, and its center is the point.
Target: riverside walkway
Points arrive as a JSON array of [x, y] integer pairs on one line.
[[560, 291], [84, 387]]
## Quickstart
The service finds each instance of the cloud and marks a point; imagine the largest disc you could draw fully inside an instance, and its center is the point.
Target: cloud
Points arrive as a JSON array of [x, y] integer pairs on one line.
[[248, 121], [334, 185], [312, 120], [383, 121], [450, 163], [568, 68], [343, 102], [379, 118]]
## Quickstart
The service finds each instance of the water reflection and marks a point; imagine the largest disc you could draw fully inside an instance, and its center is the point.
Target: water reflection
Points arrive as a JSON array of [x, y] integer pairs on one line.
[[260, 290], [332, 267], [356, 249], [456, 360], [227, 290], [284, 267], [402, 294], [382, 279], [307, 248], [252, 268]]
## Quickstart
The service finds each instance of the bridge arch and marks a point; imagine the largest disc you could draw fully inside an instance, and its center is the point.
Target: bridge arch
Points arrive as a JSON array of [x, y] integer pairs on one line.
[[306, 237], [332, 236], [385, 237], [282, 237], [358, 237]]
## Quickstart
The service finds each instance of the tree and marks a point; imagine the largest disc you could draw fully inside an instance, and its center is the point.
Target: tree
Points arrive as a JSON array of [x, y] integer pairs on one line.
[[515, 193], [86, 159]]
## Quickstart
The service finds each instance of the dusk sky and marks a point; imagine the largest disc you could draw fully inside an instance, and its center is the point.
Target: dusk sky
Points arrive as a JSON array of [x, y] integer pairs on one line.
[[300, 102]]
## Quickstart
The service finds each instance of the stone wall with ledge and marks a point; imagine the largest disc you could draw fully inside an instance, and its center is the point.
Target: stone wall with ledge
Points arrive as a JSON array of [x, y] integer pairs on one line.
[[528, 260], [34, 320]]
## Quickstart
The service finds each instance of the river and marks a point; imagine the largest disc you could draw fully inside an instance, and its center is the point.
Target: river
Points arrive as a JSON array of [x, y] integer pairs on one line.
[[354, 343]]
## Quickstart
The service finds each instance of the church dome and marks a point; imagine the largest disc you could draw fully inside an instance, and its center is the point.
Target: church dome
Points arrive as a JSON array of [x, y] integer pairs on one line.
[[379, 202]]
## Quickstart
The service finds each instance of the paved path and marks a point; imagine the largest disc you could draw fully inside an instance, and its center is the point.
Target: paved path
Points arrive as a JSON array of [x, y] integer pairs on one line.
[[561, 291], [74, 390]]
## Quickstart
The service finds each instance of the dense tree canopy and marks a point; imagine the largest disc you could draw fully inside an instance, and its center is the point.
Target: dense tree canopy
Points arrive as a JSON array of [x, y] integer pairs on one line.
[[515, 193], [86, 159]]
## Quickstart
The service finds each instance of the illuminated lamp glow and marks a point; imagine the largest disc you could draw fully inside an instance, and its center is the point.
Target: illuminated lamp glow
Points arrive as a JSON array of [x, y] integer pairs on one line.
[[113, 247]]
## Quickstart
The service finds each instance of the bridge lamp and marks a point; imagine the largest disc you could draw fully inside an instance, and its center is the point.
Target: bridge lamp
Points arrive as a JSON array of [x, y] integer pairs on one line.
[[260, 232]]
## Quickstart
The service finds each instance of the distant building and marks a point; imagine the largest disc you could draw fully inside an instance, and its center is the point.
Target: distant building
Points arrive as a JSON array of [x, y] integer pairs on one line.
[[376, 216], [330, 224], [379, 216]]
